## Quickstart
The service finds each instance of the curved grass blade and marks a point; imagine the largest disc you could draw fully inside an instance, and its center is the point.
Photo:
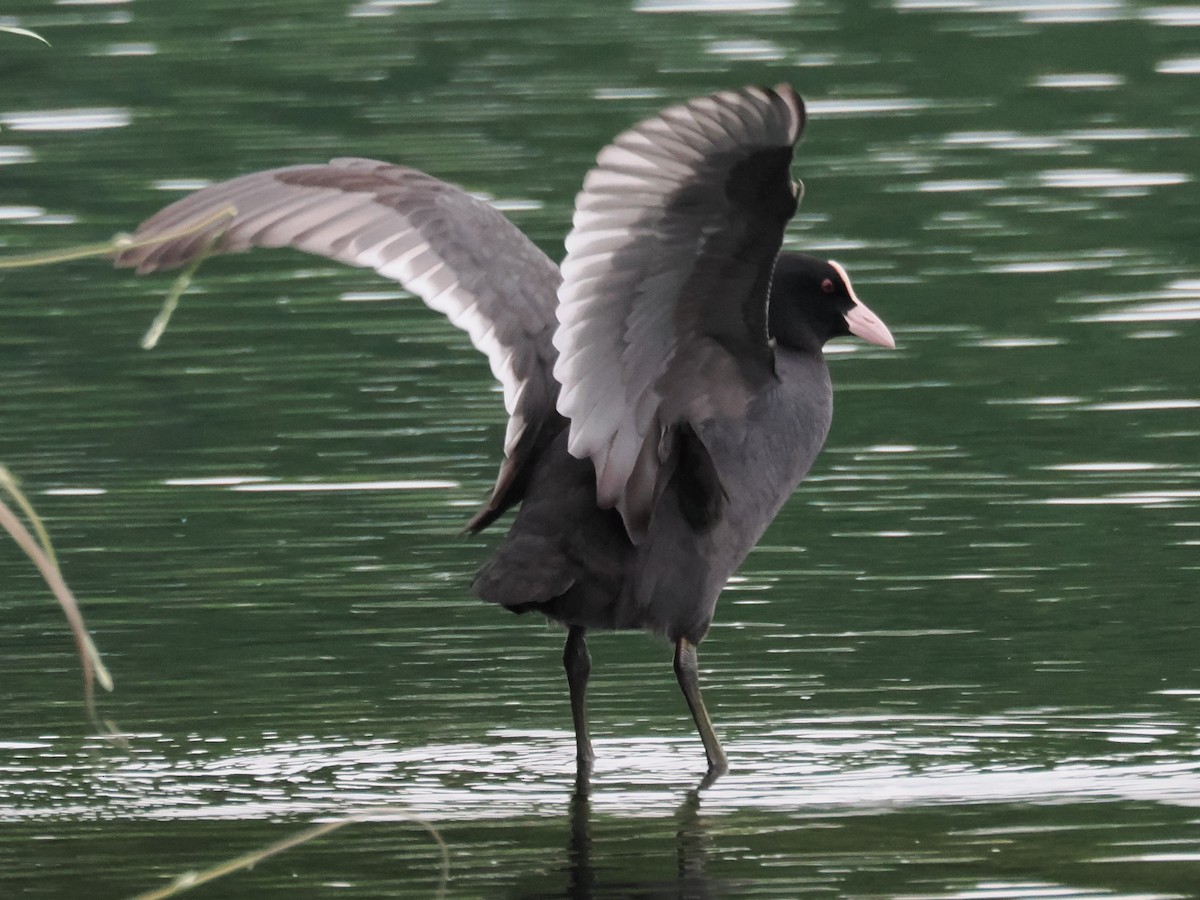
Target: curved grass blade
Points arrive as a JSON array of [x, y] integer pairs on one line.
[[41, 553], [13, 29], [189, 880]]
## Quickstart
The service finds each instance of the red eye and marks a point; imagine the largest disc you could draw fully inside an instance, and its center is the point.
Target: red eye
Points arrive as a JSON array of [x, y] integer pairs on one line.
[[827, 285]]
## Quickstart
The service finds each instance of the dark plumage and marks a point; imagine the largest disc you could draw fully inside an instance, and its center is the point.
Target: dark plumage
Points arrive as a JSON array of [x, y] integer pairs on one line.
[[661, 411]]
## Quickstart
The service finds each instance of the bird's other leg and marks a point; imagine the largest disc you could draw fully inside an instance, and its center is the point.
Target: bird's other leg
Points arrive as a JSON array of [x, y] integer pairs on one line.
[[578, 663], [687, 671]]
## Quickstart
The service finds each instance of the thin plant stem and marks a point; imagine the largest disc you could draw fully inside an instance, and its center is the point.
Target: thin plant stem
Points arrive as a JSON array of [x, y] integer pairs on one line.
[[122, 243], [182, 283], [189, 880], [42, 556], [119, 243]]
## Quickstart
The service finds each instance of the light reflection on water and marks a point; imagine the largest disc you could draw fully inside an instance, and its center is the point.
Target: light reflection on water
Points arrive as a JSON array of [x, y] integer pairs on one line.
[[66, 119], [850, 763], [1061, 12]]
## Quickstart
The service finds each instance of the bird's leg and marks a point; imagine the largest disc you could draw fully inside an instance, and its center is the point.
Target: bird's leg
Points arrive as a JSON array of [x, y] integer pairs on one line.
[[689, 681], [578, 664]]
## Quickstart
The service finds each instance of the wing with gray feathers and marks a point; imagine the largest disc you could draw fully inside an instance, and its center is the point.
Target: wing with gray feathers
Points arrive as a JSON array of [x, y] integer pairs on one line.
[[662, 310], [457, 253]]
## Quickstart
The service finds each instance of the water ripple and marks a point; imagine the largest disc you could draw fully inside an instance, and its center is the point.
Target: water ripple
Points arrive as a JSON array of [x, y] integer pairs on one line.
[[857, 763], [712, 6], [1184, 65], [1173, 16], [66, 119]]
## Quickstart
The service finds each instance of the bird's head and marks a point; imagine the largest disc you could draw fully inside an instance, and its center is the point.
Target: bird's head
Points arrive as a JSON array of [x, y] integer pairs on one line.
[[812, 301]]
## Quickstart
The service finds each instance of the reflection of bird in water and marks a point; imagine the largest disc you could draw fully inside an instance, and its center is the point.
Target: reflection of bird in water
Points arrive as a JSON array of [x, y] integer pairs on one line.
[[582, 878], [618, 855], [661, 411], [588, 877]]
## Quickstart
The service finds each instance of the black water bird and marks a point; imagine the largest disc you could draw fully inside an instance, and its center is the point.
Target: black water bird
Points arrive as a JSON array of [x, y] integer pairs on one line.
[[666, 388]]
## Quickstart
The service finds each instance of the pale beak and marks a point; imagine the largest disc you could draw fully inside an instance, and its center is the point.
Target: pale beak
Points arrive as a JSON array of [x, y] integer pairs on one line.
[[865, 324], [861, 321]]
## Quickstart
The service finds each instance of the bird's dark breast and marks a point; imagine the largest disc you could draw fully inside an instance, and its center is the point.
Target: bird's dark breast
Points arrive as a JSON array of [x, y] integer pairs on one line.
[[760, 458]]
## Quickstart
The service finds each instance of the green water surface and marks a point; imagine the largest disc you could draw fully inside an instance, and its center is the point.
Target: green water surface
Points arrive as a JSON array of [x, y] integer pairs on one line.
[[963, 662]]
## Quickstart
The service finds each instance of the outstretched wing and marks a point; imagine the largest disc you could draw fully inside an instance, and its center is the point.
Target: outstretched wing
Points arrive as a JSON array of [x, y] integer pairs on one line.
[[663, 306], [457, 253]]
